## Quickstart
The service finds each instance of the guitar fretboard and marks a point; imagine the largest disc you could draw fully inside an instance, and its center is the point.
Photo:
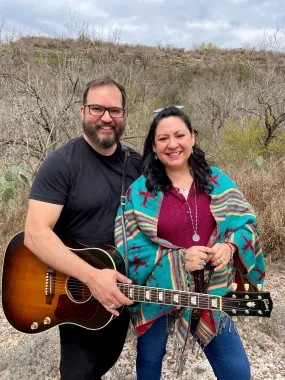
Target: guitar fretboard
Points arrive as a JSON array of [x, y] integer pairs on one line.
[[170, 297]]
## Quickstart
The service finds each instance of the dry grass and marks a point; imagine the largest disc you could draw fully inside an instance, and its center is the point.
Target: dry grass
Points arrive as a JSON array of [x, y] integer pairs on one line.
[[264, 188], [12, 221]]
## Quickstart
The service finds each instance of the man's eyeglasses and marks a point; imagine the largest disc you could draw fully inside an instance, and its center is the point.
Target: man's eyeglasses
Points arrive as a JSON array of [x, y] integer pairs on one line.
[[97, 110]]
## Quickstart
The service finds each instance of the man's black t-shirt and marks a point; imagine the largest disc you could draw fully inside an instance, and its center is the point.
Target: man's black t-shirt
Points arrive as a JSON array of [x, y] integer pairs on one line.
[[88, 185]]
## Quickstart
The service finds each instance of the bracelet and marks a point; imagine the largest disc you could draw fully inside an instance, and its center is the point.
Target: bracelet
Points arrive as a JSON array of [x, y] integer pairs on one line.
[[232, 247]]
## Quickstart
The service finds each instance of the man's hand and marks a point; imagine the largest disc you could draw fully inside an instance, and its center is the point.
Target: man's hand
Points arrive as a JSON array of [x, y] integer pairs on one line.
[[103, 286]]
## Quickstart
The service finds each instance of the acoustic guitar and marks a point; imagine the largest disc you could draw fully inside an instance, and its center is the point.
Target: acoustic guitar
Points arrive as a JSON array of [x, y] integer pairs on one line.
[[36, 298]]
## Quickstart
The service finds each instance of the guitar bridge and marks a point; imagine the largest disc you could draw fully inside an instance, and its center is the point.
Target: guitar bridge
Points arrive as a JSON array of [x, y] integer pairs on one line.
[[50, 285]]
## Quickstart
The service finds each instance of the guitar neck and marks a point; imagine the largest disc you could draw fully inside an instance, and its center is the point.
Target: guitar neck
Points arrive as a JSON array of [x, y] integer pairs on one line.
[[171, 297]]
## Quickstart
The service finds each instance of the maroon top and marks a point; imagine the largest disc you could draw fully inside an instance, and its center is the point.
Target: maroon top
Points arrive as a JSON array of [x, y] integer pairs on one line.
[[174, 223]]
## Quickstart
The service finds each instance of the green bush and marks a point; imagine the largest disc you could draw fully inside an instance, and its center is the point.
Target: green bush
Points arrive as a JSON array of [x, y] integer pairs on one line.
[[13, 183], [276, 147], [53, 61], [242, 143], [207, 47]]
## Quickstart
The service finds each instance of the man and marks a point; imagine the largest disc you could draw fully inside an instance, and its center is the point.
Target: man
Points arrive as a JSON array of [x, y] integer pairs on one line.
[[76, 192]]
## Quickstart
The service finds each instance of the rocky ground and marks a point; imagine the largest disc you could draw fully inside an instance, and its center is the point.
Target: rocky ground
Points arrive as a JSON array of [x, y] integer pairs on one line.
[[36, 357]]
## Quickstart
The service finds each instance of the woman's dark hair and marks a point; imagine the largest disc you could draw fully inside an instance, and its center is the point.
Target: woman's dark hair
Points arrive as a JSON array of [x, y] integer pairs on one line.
[[154, 170]]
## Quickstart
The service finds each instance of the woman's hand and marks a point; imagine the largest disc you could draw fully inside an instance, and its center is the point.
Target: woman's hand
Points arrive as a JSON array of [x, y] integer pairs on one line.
[[220, 257], [196, 257]]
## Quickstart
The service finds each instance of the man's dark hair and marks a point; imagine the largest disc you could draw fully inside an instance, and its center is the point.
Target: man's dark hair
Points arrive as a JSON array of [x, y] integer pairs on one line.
[[154, 170], [101, 82]]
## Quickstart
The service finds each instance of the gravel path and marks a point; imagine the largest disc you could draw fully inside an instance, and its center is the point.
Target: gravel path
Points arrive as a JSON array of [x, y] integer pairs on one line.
[[25, 357]]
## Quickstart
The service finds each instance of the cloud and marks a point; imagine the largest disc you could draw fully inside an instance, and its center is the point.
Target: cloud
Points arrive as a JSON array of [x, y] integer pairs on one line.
[[150, 1], [254, 37], [208, 25], [184, 23]]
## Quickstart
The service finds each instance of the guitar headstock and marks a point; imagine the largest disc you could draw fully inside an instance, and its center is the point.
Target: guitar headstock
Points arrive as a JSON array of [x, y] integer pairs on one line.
[[248, 304]]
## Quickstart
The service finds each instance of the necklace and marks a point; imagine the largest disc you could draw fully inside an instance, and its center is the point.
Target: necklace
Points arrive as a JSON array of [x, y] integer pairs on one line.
[[182, 190], [185, 191], [195, 236]]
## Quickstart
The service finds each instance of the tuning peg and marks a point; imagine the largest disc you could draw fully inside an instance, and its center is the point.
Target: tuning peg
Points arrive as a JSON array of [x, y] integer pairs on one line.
[[234, 318], [246, 287], [234, 286], [246, 319], [259, 287]]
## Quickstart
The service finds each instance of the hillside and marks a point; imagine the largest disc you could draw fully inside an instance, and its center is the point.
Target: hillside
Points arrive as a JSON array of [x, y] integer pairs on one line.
[[204, 56]]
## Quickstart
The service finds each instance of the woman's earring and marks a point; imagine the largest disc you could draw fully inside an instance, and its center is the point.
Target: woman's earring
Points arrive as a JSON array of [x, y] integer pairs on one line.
[[155, 156], [192, 150]]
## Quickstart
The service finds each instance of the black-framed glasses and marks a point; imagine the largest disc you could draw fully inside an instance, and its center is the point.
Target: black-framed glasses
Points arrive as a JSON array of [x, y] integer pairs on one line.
[[98, 110]]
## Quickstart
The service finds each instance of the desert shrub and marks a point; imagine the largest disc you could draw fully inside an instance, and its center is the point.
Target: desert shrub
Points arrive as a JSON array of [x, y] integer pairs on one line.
[[207, 47], [14, 187], [53, 61], [14, 182], [276, 147], [243, 142]]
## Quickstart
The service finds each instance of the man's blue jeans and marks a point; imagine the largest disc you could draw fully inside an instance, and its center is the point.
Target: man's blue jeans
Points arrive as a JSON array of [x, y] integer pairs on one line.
[[225, 353]]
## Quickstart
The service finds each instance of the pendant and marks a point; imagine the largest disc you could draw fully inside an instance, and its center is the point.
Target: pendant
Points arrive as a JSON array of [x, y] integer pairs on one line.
[[196, 237]]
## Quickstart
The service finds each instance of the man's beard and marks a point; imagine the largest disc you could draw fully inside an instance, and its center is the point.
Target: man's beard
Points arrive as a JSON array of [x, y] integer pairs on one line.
[[105, 142]]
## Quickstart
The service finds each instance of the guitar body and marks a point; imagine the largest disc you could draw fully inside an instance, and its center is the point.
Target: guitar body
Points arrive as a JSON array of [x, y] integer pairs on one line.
[[36, 298]]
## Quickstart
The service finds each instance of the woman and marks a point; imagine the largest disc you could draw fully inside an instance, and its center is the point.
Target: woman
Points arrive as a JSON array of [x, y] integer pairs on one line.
[[188, 228]]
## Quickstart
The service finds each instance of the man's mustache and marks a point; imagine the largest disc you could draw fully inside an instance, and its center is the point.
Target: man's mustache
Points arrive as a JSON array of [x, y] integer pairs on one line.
[[99, 125]]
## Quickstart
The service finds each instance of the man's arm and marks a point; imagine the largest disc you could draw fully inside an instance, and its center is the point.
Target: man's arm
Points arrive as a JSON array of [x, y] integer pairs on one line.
[[44, 243]]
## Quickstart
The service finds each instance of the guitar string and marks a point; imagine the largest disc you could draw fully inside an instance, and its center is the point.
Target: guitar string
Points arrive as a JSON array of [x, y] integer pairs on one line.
[[138, 288], [83, 288], [201, 306], [76, 284], [79, 284], [183, 300], [134, 287], [168, 298]]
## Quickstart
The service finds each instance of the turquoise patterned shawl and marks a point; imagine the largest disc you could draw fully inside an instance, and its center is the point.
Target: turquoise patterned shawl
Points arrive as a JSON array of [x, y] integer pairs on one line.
[[158, 263]]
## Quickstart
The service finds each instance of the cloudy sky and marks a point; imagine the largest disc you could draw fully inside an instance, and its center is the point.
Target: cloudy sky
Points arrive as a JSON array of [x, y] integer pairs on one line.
[[180, 23]]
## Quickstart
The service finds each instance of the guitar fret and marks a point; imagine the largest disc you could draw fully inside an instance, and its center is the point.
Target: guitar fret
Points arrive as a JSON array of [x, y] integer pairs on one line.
[[137, 295], [167, 297], [141, 294], [155, 295]]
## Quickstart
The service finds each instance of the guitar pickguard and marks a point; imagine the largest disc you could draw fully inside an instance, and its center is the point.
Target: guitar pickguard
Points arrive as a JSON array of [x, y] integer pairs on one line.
[[67, 310]]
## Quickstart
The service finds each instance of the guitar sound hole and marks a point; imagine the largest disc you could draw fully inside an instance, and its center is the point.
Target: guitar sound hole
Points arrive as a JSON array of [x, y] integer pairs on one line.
[[77, 291]]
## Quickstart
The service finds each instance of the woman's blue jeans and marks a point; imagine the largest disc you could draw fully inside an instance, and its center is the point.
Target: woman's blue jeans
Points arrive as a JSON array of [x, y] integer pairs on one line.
[[225, 353]]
